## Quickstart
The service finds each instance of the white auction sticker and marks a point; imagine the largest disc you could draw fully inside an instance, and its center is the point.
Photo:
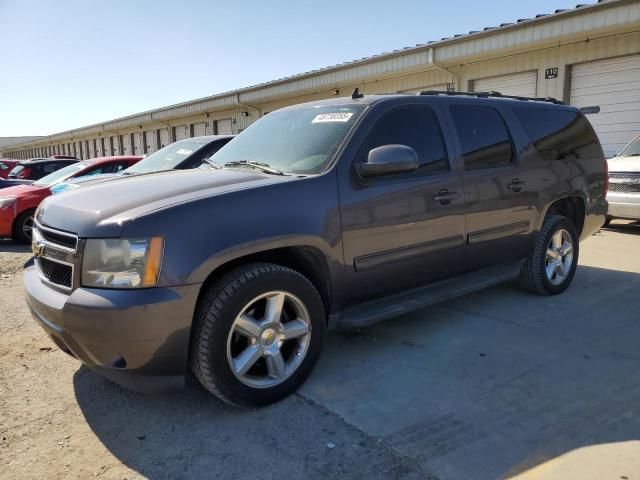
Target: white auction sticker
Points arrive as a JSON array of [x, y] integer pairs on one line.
[[183, 151], [332, 117]]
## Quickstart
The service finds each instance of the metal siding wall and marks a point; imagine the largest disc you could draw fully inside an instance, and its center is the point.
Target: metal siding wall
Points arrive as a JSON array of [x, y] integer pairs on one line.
[[181, 132]]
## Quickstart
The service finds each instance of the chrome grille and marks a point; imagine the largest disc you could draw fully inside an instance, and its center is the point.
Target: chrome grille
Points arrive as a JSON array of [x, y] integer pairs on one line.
[[624, 182], [55, 255]]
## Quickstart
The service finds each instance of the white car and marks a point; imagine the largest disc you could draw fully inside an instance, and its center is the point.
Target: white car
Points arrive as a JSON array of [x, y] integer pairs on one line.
[[624, 183]]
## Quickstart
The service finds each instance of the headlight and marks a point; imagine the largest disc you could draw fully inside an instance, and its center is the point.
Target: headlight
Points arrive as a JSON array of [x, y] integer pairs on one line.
[[122, 263], [5, 202]]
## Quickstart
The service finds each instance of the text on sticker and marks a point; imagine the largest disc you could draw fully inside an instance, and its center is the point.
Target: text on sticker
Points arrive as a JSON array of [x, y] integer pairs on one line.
[[332, 117]]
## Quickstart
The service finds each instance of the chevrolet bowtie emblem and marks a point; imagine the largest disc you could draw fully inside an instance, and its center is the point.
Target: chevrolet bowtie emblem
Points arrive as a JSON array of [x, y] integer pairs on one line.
[[37, 248]]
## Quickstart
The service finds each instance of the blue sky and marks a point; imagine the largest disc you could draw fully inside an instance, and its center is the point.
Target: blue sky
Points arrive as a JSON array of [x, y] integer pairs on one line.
[[69, 63]]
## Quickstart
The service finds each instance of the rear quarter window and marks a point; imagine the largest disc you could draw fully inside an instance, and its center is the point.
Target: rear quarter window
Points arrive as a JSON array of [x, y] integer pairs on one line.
[[558, 134]]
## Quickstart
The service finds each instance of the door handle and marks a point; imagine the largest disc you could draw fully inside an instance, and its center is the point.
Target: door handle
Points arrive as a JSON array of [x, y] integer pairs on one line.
[[516, 185], [444, 196]]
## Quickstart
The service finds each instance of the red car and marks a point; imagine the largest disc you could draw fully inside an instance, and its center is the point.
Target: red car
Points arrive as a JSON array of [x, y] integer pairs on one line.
[[19, 203], [6, 165]]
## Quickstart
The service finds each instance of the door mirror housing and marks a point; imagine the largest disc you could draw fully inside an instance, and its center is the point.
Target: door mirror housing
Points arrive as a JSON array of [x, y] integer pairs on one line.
[[389, 160]]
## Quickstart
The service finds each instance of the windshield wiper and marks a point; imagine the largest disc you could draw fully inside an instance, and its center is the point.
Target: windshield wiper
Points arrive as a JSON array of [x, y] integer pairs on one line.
[[263, 167], [211, 163]]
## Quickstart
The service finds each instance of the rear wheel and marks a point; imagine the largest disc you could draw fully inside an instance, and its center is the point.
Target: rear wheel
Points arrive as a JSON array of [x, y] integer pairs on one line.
[[258, 333], [552, 263], [23, 226]]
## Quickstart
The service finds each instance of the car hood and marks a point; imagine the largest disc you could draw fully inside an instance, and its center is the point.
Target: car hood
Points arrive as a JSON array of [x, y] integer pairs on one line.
[[103, 209], [624, 164], [21, 190]]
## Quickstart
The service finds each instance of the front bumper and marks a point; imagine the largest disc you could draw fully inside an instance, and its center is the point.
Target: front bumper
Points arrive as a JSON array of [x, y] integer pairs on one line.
[[624, 205], [137, 338], [7, 216]]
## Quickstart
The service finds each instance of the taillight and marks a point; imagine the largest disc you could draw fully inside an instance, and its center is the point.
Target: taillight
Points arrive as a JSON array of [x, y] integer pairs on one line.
[[606, 177]]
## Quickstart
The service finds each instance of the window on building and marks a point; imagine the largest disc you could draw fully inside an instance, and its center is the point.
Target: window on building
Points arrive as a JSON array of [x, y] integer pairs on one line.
[[483, 136], [415, 126]]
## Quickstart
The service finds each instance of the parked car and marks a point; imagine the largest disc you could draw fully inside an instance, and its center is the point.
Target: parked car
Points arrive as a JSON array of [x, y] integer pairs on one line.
[[36, 168], [70, 157], [335, 213], [624, 183], [19, 203], [6, 165], [180, 155], [6, 183]]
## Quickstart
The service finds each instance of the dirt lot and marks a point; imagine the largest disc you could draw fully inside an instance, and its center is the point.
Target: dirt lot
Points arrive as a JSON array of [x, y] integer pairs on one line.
[[496, 384]]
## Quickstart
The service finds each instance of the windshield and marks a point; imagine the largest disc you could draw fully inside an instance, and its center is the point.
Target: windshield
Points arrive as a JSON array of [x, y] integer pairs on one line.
[[168, 157], [301, 141], [60, 175], [631, 150]]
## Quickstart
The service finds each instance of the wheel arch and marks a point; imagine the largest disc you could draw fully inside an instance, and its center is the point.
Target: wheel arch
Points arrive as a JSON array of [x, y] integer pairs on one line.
[[572, 206]]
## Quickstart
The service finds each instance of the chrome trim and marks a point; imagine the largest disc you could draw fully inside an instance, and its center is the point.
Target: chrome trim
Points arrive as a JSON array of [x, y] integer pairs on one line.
[[39, 226], [70, 255], [46, 281]]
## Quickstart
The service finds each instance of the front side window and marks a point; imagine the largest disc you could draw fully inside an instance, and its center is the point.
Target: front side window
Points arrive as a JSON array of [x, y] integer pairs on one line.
[[558, 134], [483, 136], [3, 166], [299, 141], [415, 126]]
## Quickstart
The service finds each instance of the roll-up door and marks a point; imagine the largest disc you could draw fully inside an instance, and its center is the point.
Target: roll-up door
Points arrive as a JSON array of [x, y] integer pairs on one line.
[[520, 84], [115, 145], [92, 148], [198, 129], [613, 85], [182, 132], [224, 127], [150, 141], [126, 144], [138, 148], [164, 137]]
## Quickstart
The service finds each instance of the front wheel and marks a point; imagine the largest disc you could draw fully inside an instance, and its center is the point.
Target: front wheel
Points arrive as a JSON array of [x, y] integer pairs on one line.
[[23, 226], [257, 335], [552, 263]]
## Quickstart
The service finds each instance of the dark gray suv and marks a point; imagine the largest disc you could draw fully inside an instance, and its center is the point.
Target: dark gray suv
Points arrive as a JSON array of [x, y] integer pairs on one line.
[[335, 213]]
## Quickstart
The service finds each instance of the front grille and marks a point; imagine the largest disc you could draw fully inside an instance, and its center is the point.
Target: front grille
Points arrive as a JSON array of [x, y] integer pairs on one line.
[[624, 182], [68, 241], [56, 273]]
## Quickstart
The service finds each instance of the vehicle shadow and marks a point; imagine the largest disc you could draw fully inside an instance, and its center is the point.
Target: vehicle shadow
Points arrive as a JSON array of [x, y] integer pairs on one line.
[[490, 385], [11, 246], [624, 227]]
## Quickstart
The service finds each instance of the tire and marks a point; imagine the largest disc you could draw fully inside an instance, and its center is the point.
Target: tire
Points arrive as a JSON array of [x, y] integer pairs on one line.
[[607, 221], [534, 275], [22, 226], [218, 343]]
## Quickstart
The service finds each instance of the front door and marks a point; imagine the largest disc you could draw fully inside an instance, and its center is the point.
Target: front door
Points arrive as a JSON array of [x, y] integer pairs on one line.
[[402, 230], [500, 201]]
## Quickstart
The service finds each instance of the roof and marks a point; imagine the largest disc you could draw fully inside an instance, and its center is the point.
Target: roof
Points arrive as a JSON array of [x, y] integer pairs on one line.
[[39, 161], [113, 158]]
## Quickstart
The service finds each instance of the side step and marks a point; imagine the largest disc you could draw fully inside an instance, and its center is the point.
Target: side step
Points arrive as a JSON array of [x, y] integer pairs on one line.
[[374, 311]]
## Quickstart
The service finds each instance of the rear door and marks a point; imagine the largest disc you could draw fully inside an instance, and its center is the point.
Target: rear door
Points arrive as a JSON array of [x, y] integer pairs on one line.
[[501, 205], [402, 230]]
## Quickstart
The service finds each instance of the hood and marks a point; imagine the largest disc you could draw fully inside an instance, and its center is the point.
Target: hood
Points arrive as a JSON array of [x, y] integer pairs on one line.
[[103, 209], [624, 164], [20, 190]]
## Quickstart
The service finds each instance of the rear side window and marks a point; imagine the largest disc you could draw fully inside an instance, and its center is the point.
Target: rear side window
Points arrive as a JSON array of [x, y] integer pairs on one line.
[[483, 136], [415, 126], [559, 134]]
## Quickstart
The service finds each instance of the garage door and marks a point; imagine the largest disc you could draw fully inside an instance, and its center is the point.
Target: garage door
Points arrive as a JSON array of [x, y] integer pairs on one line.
[[198, 129], [164, 137], [182, 132], [223, 127], [150, 141], [92, 148], [439, 87], [126, 144], [115, 145], [614, 86], [520, 84]]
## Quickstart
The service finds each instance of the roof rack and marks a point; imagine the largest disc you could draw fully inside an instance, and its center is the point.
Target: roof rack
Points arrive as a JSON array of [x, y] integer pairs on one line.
[[492, 94]]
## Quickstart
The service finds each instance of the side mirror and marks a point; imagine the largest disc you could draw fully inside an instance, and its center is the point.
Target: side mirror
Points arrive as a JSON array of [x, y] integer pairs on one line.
[[389, 160]]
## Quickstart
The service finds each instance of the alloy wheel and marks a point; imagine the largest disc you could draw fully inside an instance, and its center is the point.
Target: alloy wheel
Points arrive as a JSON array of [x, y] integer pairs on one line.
[[559, 257]]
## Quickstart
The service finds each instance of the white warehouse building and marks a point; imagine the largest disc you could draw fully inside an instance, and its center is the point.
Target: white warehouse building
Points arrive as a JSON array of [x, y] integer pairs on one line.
[[585, 56]]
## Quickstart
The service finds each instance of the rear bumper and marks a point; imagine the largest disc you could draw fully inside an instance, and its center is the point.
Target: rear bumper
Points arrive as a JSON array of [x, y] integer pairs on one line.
[[137, 338], [594, 218], [624, 205]]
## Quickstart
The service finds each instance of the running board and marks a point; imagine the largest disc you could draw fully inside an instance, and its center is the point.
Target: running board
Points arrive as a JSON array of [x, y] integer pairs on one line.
[[374, 311]]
